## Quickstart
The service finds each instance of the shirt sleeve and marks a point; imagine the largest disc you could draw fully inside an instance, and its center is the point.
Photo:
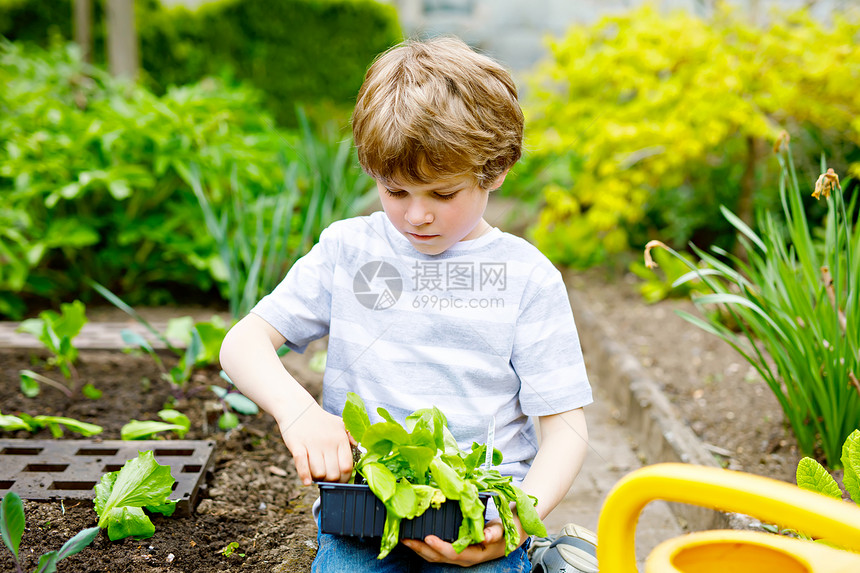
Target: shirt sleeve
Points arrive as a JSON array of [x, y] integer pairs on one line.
[[300, 306], [546, 352]]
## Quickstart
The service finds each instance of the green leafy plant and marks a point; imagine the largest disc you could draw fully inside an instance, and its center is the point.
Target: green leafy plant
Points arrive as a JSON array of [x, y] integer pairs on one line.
[[202, 339], [121, 497], [411, 469], [232, 400], [90, 183], [12, 524], [174, 421], [258, 238], [56, 332], [812, 476], [230, 549], [55, 424], [795, 300]]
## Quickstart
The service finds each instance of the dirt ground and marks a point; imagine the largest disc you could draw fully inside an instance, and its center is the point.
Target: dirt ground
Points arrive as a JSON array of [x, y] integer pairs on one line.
[[253, 497]]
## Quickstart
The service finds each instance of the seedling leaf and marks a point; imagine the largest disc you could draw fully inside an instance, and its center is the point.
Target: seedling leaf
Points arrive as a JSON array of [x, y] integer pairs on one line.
[[812, 476], [164, 509], [120, 496], [211, 336], [77, 543], [29, 386], [179, 329], [241, 404], [228, 421], [176, 417], [355, 416], [83, 428], [132, 338], [528, 515], [10, 423], [851, 465], [91, 392], [72, 319], [12, 521], [139, 430], [129, 521], [219, 391], [47, 563]]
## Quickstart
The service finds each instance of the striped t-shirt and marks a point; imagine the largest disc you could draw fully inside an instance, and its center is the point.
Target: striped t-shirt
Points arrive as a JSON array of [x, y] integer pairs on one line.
[[482, 330]]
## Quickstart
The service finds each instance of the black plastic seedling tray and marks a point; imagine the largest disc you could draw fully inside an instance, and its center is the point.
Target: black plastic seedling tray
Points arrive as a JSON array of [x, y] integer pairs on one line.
[[48, 470], [352, 509]]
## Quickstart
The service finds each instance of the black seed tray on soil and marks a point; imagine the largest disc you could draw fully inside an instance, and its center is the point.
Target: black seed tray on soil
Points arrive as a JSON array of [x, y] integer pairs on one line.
[[352, 509], [47, 470]]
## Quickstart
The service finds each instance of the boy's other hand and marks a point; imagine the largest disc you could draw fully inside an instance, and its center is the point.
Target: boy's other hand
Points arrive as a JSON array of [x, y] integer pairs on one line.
[[320, 446], [435, 550]]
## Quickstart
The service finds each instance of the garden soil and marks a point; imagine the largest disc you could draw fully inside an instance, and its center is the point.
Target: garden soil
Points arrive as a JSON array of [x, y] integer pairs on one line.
[[253, 496]]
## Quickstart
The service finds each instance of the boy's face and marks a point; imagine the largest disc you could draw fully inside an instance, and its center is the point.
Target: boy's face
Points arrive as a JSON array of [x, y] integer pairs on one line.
[[435, 216]]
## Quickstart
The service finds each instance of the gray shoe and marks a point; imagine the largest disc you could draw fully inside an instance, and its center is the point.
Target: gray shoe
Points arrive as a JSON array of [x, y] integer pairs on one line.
[[572, 550]]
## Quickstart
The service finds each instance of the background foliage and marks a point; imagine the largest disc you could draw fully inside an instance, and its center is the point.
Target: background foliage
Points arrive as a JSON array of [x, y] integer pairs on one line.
[[277, 45], [94, 182], [649, 120]]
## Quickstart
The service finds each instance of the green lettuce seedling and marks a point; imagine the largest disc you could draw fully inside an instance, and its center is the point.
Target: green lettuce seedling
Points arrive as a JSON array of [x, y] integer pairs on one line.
[[121, 497], [12, 529], [56, 332], [55, 424], [414, 468], [232, 401], [174, 421]]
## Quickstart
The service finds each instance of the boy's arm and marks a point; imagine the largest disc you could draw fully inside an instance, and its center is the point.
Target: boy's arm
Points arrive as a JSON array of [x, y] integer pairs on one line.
[[564, 443], [317, 440]]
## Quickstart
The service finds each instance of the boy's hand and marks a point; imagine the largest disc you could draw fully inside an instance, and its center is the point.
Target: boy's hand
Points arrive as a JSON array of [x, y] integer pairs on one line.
[[320, 446], [435, 550]]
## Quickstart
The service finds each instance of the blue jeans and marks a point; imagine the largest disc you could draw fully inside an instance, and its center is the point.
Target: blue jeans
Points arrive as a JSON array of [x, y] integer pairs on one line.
[[356, 555]]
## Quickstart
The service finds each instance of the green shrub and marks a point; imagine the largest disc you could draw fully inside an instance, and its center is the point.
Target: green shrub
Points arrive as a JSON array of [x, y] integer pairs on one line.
[[654, 120], [300, 51], [308, 52], [94, 186], [35, 20]]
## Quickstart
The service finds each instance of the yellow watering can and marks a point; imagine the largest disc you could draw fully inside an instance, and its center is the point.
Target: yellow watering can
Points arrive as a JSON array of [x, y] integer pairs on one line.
[[728, 551]]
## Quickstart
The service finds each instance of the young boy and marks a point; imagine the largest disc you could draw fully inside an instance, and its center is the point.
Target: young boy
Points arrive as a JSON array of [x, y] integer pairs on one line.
[[426, 304]]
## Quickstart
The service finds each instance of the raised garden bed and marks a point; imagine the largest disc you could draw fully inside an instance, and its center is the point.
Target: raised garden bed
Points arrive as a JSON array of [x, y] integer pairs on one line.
[[252, 495]]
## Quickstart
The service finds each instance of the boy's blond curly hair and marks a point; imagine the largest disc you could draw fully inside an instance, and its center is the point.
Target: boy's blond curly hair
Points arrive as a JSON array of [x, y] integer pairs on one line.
[[436, 109]]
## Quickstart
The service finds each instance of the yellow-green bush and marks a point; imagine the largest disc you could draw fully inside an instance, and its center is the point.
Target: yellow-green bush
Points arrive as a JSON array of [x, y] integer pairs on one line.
[[655, 119]]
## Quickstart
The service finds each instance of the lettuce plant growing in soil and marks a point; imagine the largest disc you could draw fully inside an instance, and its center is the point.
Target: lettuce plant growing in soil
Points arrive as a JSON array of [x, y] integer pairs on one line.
[[56, 332], [414, 468], [121, 497], [55, 424], [174, 421], [12, 528]]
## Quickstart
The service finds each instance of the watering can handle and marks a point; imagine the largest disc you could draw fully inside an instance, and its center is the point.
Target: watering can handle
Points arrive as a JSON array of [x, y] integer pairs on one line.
[[764, 498]]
